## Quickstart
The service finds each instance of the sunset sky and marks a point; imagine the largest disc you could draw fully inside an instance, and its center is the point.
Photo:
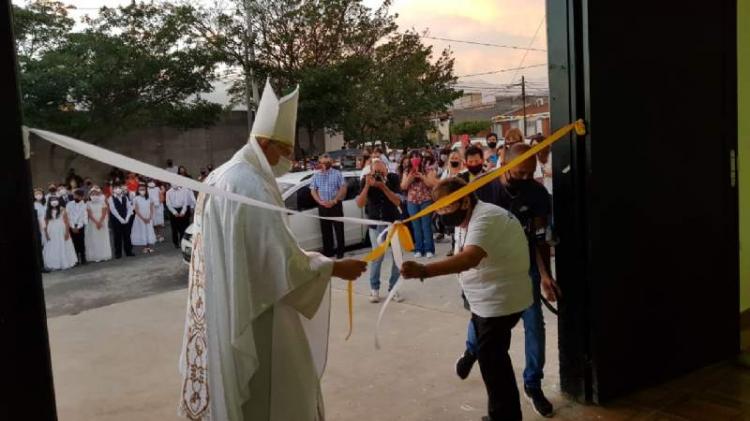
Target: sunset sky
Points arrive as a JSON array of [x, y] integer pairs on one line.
[[506, 22]]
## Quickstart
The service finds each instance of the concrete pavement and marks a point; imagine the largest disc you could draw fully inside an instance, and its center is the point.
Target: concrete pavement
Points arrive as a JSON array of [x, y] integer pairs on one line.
[[119, 362]]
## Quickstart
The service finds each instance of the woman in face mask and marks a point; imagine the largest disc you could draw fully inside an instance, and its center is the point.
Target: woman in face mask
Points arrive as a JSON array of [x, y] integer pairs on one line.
[[418, 182], [143, 226], [154, 193], [454, 165], [40, 206], [58, 252], [96, 237]]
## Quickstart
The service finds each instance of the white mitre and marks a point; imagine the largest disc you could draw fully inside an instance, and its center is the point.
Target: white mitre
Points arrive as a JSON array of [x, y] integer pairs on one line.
[[276, 119]]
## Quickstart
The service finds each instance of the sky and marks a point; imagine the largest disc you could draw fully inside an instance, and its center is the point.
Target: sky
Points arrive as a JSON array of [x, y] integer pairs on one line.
[[519, 23]]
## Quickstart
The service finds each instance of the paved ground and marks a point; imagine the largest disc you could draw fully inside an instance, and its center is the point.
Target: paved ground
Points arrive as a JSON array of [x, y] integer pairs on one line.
[[116, 327], [100, 284]]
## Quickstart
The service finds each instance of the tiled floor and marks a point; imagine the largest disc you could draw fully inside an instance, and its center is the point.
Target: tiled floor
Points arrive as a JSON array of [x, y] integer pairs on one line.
[[716, 393]]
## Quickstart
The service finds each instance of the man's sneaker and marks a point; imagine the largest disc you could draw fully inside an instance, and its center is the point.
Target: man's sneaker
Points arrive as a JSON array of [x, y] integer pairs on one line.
[[464, 364], [417, 255], [374, 296], [538, 401], [429, 255], [397, 298]]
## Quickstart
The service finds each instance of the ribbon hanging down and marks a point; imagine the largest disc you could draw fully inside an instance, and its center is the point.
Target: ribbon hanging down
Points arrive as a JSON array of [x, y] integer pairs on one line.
[[403, 240]]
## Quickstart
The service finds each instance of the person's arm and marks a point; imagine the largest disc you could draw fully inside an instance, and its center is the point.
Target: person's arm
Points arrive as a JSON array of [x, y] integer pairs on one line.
[[105, 211], [390, 194], [550, 289], [430, 179], [316, 197], [362, 196], [116, 215], [341, 195], [406, 180], [463, 261], [91, 216], [170, 202], [46, 233], [67, 225]]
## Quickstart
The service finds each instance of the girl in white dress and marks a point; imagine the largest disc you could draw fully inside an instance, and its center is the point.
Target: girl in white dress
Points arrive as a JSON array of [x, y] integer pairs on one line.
[[154, 194], [143, 225], [40, 206], [98, 248], [58, 252]]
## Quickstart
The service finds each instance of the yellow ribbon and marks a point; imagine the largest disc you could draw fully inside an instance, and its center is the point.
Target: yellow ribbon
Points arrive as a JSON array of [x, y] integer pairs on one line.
[[400, 228]]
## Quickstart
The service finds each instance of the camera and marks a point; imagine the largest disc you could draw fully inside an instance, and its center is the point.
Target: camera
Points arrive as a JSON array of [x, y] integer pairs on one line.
[[378, 178]]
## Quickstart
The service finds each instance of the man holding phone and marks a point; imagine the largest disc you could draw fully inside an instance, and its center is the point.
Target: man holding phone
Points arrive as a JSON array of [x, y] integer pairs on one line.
[[380, 198]]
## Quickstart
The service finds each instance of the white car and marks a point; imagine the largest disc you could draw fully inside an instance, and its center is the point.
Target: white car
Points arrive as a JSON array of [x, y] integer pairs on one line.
[[295, 190]]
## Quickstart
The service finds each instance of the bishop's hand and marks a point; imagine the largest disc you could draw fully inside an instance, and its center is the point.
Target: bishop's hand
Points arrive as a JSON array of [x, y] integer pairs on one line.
[[349, 269]]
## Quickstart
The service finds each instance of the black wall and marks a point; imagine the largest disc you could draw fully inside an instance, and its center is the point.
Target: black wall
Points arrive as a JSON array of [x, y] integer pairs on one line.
[[647, 217]]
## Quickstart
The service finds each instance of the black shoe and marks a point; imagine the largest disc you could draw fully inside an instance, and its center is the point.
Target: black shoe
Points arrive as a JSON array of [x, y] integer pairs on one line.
[[464, 364], [129, 254], [118, 257], [538, 401]]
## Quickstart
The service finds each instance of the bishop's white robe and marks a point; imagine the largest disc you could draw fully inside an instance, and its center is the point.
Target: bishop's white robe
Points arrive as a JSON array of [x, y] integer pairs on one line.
[[256, 333]]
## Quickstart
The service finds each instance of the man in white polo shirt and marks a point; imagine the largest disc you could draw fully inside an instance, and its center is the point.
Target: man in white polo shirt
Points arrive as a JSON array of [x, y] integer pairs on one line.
[[492, 263]]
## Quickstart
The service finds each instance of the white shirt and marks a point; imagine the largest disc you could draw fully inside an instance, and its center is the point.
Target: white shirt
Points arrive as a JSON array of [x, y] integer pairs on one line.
[[189, 197], [500, 285], [176, 200], [541, 169], [173, 169], [77, 216]]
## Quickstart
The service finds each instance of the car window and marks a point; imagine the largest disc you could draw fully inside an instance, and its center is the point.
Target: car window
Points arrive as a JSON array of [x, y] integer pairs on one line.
[[291, 201], [305, 200], [352, 188]]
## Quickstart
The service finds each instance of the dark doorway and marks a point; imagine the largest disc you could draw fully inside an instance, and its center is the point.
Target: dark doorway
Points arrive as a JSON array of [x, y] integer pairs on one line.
[[644, 206], [26, 391]]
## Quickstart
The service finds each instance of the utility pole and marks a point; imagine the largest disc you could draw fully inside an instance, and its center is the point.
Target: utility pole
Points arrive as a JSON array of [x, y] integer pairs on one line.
[[523, 98]]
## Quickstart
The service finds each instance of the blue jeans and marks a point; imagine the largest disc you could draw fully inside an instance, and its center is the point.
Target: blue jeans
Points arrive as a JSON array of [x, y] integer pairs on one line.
[[375, 265], [422, 228], [534, 334]]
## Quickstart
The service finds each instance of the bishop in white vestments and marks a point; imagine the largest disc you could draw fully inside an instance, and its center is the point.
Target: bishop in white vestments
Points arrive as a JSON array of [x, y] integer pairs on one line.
[[256, 332]]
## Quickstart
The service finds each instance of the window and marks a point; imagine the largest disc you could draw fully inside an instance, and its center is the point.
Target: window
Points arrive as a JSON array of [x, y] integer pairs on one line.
[[305, 200], [352, 188]]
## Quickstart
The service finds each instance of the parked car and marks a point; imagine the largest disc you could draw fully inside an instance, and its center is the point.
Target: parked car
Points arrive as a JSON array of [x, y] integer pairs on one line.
[[295, 190]]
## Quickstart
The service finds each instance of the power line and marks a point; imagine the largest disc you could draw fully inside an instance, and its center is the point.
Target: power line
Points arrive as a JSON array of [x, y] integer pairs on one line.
[[504, 70], [523, 59], [486, 44]]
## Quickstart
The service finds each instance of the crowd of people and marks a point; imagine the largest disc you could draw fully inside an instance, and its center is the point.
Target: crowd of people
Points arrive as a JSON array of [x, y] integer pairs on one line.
[[81, 222], [501, 238]]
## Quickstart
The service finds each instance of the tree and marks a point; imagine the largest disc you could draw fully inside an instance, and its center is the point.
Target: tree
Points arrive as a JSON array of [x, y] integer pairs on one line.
[[401, 91], [39, 27], [471, 128], [131, 67]]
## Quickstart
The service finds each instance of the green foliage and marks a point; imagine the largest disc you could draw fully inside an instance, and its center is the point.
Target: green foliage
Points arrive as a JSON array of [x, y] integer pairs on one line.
[[350, 80], [131, 67], [470, 127]]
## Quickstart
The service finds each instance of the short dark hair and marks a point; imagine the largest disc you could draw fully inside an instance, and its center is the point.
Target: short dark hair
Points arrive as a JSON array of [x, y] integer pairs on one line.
[[79, 192], [451, 184], [490, 135], [378, 150], [473, 150]]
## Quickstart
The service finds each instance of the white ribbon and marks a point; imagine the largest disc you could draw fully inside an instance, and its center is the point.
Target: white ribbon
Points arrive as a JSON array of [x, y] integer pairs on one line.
[[121, 161], [398, 257]]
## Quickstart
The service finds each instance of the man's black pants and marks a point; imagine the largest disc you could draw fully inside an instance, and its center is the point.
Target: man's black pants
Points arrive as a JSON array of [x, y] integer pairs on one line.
[[79, 243], [328, 228], [122, 237], [493, 340], [179, 225]]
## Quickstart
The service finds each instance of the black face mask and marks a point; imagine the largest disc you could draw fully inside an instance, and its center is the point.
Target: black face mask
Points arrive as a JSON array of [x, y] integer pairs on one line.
[[492, 145], [455, 164], [454, 219], [517, 184], [475, 169]]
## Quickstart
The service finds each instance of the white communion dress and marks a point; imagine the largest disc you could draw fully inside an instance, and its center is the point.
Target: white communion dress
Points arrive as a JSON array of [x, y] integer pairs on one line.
[[143, 234], [58, 252], [98, 248]]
